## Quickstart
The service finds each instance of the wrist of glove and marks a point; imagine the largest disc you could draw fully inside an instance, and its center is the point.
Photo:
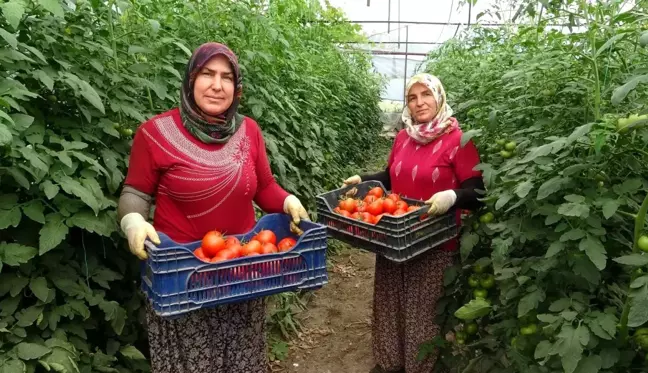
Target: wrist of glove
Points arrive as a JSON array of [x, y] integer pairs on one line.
[[353, 180], [293, 207], [137, 230], [441, 202]]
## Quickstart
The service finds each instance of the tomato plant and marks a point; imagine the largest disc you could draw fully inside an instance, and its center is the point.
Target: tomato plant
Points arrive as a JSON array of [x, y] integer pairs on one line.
[[557, 118]]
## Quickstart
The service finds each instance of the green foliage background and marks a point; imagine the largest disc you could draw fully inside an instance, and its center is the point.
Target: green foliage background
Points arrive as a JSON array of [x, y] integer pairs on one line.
[[76, 79]]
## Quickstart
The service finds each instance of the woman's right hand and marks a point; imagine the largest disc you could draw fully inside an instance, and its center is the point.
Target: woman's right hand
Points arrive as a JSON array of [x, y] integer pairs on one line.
[[353, 180], [137, 229]]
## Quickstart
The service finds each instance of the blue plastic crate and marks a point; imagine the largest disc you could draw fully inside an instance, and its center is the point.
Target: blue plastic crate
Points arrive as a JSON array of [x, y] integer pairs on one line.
[[176, 282]]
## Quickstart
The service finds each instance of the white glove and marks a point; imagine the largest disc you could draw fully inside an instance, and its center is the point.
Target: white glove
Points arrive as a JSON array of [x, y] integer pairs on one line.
[[294, 208], [137, 229], [441, 202], [353, 180]]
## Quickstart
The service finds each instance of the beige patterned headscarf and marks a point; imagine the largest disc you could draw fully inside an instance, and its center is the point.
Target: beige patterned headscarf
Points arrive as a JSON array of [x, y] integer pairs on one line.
[[443, 122]]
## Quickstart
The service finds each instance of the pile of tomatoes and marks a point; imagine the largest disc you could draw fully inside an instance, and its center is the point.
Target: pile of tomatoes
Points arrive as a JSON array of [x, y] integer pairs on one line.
[[373, 206], [216, 247]]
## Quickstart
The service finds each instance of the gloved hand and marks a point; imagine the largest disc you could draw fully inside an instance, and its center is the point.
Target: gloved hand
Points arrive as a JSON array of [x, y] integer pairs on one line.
[[137, 229], [353, 180], [294, 208], [441, 202]]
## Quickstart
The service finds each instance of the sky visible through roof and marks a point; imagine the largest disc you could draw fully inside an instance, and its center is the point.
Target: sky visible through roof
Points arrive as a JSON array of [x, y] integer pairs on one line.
[[441, 11]]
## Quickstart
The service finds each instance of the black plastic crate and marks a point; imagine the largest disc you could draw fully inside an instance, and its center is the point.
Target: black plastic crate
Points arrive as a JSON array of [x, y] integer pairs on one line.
[[397, 238]]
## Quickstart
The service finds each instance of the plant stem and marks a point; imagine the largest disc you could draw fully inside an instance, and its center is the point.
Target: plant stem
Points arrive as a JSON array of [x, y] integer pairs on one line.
[[640, 220]]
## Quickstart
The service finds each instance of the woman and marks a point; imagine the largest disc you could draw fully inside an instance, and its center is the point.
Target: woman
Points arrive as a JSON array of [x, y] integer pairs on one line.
[[426, 160], [205, 164]]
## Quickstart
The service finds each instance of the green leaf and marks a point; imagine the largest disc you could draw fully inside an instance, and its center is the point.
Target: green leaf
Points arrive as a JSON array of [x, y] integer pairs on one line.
[[62, 360], [639, 282], [53, 233], [584, 267], [548, 318], [32, 156], [570, 346], [603, 325], [45, 79], [468, 242], [523, 189], [542, 350], [9, 305], [50, 189], [13, 366], [609, 43], [183, 47], [103, 276], [609, 357], [18, 176], [34, 211], [621, 92], [610, 208], [530, 302], [30, 351], [579, 132], [22, 121], [476, 308], [13, 12], [132, 353], [468, 135], [10, 218], [550, 187], [104, 224], [14, 254], [91, 95], [637, 260], [638, 314], [595, 251], [28, 316], [572, 235], [574, 209], [39, 287], [9, 38], [589, 364], [52, 6], [5, 135], [504, 198], [73, 187]]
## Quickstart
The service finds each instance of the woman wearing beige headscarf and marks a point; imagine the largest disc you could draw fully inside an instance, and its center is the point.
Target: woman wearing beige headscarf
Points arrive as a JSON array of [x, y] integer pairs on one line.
[[427, 162]]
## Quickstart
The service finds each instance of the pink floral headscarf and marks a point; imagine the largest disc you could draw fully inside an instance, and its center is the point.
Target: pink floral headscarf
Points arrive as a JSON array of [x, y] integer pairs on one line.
[[443, 122]]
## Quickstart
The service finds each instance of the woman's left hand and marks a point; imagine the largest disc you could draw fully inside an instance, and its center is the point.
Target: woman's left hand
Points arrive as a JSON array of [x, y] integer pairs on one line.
[[294, 208], [441, 202]]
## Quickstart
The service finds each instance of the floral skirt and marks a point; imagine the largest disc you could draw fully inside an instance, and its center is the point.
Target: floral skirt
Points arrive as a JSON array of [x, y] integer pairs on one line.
[[226, 339], [405, 297]]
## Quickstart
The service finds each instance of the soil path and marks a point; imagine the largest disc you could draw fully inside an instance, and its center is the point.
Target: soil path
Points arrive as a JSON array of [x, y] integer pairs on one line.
[[337, 324]]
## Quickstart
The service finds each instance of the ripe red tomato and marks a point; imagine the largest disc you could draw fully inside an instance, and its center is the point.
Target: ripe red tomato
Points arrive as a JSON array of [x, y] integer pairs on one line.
[[237, 249], [401, 205], [337, 210], [389, 206], [367, 217], [269, 248], [377, 191], [212, 243], [286, 244], [400, 212], [348, 204], [266, 236], [200, 254], [345, 213], [356, 216], [376, 207], [231, 241], [362, 207], [252, 247], [370, 198], [223, 255], [413, 208], [394, 197]]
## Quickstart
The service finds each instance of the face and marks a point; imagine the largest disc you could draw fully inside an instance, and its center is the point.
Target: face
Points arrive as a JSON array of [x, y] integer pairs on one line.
[[214, 86], [421, 103]]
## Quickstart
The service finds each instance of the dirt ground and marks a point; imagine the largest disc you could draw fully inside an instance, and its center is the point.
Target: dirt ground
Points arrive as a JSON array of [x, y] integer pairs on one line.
[[337, 324]]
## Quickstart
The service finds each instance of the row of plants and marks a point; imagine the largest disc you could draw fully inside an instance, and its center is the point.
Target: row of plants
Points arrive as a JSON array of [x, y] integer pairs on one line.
[[551, 276], [76, 80]]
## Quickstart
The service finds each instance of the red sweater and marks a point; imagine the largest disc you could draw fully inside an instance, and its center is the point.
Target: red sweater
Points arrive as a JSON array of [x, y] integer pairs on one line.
[[200, 187]]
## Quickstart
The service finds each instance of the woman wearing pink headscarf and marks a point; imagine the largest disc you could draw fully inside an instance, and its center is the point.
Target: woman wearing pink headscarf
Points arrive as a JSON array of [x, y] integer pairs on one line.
[[427, 162]]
